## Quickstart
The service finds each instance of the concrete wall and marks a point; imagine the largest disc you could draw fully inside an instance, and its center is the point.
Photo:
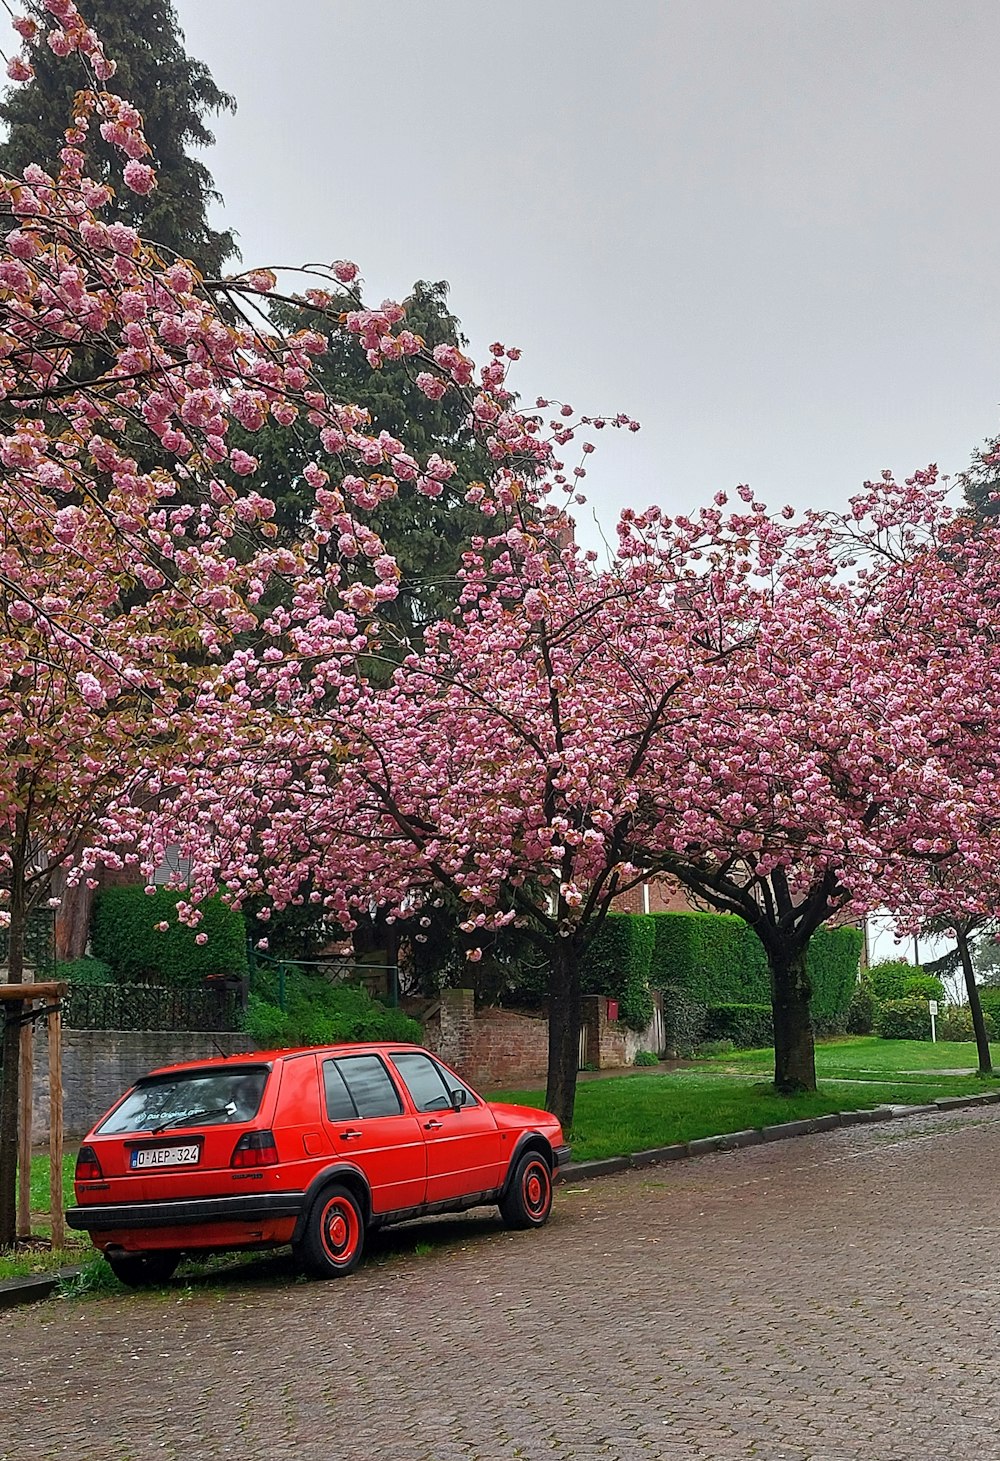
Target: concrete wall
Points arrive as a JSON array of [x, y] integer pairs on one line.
[[98, 1065]]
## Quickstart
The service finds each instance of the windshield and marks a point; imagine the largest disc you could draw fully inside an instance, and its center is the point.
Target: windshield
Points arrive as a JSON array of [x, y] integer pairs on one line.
[[195, 1098]]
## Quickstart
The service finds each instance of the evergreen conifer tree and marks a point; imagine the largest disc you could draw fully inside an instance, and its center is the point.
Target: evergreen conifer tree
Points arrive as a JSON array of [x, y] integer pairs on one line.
[[174, 93]]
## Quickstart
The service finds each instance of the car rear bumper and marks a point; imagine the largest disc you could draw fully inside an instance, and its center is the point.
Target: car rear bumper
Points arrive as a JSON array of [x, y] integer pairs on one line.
[[562, 1155], [260, 1207]]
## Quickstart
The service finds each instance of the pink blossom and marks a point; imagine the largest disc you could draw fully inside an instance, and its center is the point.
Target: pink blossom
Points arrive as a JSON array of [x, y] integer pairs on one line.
[[139, 176]]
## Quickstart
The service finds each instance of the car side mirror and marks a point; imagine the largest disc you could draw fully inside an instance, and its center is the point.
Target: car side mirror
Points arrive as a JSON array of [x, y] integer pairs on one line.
[[458, 1099]]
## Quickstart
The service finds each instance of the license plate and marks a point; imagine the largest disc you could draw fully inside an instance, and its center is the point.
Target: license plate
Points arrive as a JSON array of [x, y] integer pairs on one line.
[[164, 1156]]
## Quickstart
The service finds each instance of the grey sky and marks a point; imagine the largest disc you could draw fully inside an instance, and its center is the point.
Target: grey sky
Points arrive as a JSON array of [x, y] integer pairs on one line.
[[766, 228]]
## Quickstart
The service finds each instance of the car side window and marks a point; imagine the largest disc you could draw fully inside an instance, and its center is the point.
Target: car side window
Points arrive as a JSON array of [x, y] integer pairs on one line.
[[430, 1087], [369, 1084], [424, 1081], [339, 1106]]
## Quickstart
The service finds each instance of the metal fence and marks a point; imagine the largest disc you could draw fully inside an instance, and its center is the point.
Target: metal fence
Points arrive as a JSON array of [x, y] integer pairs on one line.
[[151, 1007]]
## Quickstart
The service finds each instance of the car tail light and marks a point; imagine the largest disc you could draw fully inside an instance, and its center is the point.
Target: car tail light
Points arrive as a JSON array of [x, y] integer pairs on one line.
[[255, 1149], [88, 1168]]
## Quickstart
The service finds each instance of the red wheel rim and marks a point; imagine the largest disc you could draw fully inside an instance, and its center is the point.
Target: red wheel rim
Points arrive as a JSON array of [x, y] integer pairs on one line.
[[340, 1230], [536, 1188]]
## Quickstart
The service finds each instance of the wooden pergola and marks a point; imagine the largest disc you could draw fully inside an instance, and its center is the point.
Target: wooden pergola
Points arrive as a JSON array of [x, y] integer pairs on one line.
[[23, 1004]]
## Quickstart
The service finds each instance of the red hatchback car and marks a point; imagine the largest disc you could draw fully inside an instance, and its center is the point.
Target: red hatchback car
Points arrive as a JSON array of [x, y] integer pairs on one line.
[[309, 1147]]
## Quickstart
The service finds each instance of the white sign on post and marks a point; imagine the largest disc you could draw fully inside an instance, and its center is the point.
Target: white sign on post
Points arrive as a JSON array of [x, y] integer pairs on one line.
[[932, 1005]]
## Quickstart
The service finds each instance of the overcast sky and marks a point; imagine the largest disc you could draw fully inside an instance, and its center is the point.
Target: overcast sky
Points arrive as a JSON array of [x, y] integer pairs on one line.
[[768, 229]]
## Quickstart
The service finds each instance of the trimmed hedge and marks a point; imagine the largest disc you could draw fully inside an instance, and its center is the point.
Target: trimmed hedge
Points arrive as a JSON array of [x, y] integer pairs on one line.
[[896, 979], [861, 1010], [320, 1013], [748, 1026], [86, 971], [617, 963], [717, 960], [124, 934]]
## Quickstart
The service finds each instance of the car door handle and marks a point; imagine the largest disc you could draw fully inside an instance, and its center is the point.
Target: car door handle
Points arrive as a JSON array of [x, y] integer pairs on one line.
[[350, 1135], [433, 1125]]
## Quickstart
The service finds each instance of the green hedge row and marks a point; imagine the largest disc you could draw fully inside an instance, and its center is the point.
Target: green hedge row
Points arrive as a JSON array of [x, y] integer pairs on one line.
[[711, 966], [716, 960], [124, 934], [320, 1013]]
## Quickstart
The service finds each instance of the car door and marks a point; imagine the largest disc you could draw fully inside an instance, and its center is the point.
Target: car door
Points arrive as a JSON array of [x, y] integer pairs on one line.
[[463, 1145], [368, 1126]]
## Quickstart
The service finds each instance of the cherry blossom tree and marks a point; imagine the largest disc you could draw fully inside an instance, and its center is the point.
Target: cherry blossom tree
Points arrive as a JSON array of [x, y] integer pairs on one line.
[[134, 550]]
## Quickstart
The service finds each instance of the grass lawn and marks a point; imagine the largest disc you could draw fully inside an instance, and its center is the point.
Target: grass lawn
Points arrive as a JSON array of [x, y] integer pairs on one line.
[[614, 1117]]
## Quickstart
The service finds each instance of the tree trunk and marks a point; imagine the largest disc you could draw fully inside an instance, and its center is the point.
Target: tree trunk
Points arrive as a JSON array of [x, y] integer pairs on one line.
[[794, 1043], [11, 1062], [564, 1031], [975, 1004]]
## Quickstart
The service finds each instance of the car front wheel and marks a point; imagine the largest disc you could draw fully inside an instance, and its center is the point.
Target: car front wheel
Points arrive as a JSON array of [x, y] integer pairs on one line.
[[528, 1200], [334, 1236], [143, 1270]]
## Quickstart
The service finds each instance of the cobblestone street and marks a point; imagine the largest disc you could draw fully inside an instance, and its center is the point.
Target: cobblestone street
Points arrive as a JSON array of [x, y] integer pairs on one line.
[[827, 1299]]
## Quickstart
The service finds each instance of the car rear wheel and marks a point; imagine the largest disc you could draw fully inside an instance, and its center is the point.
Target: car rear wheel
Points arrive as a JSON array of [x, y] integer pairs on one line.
[[143, 1270], [528, 1200], [334, 1236]]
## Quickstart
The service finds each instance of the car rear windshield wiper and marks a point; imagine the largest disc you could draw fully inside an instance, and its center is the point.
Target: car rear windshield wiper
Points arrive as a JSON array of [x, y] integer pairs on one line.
[[191, 1117]]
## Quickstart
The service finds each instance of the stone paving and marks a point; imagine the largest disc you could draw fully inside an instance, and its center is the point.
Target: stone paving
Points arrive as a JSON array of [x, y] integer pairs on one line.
[[833, 1298]]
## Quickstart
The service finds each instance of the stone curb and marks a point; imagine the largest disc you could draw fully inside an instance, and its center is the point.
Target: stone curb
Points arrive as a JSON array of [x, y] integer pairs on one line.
[[14, 1291], [754, 1136]]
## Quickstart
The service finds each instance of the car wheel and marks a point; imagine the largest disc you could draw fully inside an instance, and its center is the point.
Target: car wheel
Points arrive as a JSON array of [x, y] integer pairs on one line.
[[334, 1236], [528, 1200], [143, 1270]]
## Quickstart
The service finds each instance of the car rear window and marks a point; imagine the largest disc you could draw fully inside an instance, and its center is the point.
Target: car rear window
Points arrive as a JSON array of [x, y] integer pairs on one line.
[[195, 1098]]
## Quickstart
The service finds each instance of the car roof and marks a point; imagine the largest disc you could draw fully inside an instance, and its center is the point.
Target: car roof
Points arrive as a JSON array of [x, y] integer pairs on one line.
[[269, 1057]]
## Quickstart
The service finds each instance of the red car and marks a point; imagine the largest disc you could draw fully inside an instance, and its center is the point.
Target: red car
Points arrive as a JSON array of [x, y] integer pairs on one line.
[[309, 1147]]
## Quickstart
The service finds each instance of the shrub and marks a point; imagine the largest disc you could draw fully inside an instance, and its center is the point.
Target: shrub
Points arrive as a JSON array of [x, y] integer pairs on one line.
[[955, 1023], [748, 1026], [124, 934], [923, 986], [84, 971], [889, 978], [989, 998], [711, 1049], [861, 1010], [646, 1057], [617, 964], [902, 1019], [320, 1013], [683, 1020]]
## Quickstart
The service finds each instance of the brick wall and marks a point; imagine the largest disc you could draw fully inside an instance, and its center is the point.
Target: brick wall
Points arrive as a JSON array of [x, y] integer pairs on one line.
[[98, 1065], [497, 1047]]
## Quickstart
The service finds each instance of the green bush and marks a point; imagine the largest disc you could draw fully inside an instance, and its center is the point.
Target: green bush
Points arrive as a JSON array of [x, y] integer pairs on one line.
[[902, 1019], [989, 998], [889, 979], [83, 971], [955, 1023], [748, 1026], [646, 1057], [683, 1021], [124, 934], [320, 1013], [923, 986], [617, 964], [861, 1010], [718, 960]]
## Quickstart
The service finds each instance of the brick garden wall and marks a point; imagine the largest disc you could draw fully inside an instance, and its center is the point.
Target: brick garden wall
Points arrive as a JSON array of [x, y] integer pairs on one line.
[[497, 1047], [98, 1065]]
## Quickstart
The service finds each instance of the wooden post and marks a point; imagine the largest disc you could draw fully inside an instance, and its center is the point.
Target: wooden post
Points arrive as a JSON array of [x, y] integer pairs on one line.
[[25, 1082], [54, 1021], [8, 1119]]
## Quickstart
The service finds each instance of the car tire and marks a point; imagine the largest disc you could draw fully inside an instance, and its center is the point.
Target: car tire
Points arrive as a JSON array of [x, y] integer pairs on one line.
[[333, 1239], [528, 1199], [143, 1270]]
